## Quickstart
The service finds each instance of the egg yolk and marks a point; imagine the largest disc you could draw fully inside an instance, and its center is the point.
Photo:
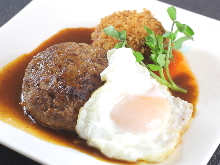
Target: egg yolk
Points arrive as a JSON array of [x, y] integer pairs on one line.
[[141, 113]]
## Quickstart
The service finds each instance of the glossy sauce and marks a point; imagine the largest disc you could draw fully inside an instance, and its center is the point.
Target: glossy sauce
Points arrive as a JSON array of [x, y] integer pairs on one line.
[[11, 77], [183, 77]]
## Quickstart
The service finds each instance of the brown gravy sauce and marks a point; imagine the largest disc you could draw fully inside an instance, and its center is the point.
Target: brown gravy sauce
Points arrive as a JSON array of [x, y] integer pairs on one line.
[[11, 77]]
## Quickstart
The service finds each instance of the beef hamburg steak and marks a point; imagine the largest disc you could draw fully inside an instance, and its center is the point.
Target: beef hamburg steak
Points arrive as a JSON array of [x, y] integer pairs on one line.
[[59, 80]]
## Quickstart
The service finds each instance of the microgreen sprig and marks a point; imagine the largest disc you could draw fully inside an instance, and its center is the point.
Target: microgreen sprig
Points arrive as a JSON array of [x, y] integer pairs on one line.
[[161, 52]]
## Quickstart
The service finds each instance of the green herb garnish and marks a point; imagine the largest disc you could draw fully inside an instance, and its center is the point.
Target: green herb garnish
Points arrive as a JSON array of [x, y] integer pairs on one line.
[[121, 36], [161, 50]]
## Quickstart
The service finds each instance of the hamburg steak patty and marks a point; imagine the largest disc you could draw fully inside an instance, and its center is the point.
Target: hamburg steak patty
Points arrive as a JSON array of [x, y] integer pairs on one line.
[[59, 80]]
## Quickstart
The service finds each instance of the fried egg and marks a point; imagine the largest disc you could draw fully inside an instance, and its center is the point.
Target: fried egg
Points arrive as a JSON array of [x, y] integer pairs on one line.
[[132, 116]]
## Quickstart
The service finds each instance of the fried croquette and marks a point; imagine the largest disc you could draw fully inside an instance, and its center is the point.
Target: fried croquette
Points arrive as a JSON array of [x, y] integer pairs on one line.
[[133, 23]]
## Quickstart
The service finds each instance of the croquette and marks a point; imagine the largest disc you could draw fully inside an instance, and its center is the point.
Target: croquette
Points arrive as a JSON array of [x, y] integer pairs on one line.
[[133, 23]]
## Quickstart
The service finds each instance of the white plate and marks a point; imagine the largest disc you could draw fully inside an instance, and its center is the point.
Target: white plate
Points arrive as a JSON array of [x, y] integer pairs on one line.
[[41, 19]]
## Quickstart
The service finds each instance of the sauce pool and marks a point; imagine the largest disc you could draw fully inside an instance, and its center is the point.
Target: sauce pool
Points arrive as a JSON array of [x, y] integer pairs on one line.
[[11, 77]]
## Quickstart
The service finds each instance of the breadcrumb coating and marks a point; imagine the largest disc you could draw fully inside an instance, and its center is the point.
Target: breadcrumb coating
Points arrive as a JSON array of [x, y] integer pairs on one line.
[[133, 23]]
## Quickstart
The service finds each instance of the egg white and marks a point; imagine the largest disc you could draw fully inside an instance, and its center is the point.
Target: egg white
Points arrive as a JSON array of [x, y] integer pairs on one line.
[[124, 75]]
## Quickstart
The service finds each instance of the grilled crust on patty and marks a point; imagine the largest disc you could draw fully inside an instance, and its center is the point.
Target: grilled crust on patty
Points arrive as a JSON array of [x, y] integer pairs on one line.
[[59, 80]]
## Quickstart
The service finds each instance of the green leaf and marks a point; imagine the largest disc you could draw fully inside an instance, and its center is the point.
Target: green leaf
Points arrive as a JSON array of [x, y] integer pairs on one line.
[[119, 45], [185, 29], [161, 59], [151, 35], [170, 35], [149, 31], [188, 31], [139, 57], [160, 44], [172, 12], [151, 39], [153, 57], [178, 43], [154, 52], [121, 36], [154, 67], [165, 35], [111, 32], [152, 46], [180, 27]]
